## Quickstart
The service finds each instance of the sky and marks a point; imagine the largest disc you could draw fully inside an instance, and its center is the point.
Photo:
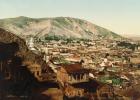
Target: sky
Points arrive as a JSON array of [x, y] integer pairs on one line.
[[120, 16]]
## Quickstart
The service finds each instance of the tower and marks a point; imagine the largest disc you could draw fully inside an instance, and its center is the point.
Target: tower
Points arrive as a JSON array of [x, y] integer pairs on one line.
[[31, 44]]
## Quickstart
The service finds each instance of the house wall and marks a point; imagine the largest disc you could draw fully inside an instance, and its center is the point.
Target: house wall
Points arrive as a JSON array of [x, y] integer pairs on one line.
[[62, 75], [35, 69], [77, 78]]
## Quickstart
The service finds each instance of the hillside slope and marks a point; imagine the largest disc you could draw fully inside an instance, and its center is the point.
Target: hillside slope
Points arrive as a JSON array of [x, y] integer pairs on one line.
[[65, 27], [17, 47]]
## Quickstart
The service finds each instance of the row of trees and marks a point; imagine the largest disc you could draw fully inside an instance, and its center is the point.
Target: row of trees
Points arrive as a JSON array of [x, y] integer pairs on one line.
[[57, 38]]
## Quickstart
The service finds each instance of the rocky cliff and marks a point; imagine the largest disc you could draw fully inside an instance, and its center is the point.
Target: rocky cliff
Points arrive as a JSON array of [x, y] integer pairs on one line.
[[13, 45]]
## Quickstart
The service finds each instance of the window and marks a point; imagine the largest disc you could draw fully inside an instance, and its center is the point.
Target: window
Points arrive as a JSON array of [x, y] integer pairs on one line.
[[38, 73]]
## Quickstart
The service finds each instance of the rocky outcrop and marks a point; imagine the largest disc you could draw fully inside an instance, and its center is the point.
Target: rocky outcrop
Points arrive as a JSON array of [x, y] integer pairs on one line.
[[15, 46]]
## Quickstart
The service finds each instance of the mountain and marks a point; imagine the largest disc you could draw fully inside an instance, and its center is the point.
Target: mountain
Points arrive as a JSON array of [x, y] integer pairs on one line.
[[64, 27]]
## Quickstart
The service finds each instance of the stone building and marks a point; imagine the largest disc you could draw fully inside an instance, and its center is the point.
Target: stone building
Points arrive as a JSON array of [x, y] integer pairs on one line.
[[72, 73]]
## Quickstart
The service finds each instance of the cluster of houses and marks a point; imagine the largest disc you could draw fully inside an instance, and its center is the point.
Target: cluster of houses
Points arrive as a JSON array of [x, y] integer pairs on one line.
[[78, 62]]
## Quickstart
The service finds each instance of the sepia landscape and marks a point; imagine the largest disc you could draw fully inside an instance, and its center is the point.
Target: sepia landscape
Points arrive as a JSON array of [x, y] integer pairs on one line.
[[66, 58]]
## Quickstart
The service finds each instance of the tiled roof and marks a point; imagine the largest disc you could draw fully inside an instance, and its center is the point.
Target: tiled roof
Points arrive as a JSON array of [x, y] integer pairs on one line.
[[74, 68]]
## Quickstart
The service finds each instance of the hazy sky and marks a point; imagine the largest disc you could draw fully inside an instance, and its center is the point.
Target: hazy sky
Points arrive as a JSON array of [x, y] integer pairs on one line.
[[121, 16]]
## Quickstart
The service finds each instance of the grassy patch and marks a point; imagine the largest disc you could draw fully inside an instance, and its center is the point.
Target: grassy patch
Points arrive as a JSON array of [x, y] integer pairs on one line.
[[62, 21]]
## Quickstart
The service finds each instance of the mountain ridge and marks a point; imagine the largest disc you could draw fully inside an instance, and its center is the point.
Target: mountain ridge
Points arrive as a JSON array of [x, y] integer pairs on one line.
[[66, 27]]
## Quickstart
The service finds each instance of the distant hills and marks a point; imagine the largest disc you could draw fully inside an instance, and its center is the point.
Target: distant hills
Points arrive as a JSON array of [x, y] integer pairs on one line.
[[63, 27], [132, 37]]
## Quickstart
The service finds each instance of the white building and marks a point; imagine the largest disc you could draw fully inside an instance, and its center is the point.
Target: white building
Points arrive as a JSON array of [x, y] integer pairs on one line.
[[31, 44]]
